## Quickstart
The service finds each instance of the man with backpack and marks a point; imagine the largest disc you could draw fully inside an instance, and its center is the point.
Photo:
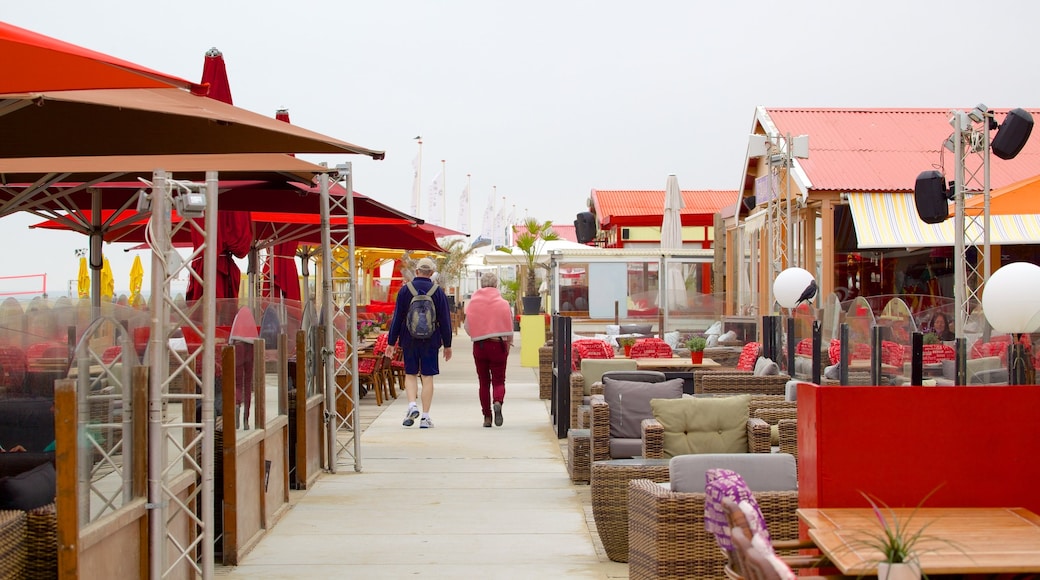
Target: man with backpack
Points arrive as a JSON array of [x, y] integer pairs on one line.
[[421, 325]]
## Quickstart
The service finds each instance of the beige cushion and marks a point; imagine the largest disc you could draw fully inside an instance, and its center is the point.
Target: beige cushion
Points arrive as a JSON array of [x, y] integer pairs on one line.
[[703, 425], [592, 369], [629, 403], [765, 367]]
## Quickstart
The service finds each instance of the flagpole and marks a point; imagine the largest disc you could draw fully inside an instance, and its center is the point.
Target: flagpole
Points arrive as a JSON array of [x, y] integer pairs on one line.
[[417, 186], [444, 197], [469, 214]]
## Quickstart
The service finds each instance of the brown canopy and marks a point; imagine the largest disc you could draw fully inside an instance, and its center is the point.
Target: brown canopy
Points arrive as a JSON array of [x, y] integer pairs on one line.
[[147, 122]]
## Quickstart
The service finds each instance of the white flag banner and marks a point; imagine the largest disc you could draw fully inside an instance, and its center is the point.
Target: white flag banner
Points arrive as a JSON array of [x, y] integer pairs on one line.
[[416, 186], [487, 229], [464, 210], [498, 230], [436, 201]]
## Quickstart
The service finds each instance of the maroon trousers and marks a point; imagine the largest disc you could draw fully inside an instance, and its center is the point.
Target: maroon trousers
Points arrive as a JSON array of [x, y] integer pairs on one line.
[[490, 357]]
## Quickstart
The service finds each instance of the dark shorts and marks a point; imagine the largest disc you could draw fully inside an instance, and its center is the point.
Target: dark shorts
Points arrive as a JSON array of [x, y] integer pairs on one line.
[[422, 359]]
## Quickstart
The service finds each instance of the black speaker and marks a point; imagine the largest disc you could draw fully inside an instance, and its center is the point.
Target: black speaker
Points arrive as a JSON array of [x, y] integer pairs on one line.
[[930, 197], [585, 227], [749, 203], [1012, 134]]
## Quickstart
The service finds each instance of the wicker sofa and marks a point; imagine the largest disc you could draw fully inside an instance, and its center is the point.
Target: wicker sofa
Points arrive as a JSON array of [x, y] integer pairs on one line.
[[667, 538]]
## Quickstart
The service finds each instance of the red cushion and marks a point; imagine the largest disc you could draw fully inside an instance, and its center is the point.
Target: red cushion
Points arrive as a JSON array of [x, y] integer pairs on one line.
[[804, 347], [380, 346], [110, 354], [589, 348], [366, 365], [936, 353], [748, 356], [860, 351], [650, 348], [891, 353]]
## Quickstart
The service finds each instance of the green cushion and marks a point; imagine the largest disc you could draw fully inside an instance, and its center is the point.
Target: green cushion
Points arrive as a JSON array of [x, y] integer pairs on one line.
[[592, 369], [703, 424]]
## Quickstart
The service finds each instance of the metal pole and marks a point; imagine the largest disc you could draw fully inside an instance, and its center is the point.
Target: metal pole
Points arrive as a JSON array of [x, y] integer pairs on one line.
[[209, 297], [328, 354], [355, 389], [160, 224], [959, 273]]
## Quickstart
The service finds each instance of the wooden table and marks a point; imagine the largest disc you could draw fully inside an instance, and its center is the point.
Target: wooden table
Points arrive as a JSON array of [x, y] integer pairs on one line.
[[954, 541], [673, 364]]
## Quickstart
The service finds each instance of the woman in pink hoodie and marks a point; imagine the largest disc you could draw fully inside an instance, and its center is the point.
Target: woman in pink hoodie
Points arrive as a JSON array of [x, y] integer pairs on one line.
[[489, 323]]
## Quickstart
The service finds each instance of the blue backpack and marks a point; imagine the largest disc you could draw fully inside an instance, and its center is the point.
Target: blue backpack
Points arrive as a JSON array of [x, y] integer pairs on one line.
[[421, 318]]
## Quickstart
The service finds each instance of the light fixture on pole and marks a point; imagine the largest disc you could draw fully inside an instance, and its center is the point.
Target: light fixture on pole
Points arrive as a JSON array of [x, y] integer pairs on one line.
[[970, 141], [792, 287], [1012, 305]]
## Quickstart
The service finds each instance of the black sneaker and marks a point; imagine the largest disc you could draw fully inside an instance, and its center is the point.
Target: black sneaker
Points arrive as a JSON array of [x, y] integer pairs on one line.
[[498, 414], [409, 419]]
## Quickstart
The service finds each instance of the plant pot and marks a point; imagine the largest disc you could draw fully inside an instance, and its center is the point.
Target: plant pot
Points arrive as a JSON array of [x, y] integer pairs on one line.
[[903, 571], [628, 350], [696, 356], [532, 304]]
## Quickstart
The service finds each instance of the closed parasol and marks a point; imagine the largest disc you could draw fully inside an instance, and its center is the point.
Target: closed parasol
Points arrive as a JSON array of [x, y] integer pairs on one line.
[[136, 281], [83, 280], [108, 282], [234, 228], [671, 239]]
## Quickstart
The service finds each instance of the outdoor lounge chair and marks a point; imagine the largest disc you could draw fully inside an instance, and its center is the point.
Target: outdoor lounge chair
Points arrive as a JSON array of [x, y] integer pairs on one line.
[[618, 412], [703, 425], [667, 536]]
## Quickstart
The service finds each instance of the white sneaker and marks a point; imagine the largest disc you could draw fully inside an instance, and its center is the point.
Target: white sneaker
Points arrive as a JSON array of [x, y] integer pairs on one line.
[[411, 416], [426, 423]]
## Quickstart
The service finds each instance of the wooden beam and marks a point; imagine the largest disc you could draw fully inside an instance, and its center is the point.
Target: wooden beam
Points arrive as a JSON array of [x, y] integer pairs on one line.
[[66, 458]]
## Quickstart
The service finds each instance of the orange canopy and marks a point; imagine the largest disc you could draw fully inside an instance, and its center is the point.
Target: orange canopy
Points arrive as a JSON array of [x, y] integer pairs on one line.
[[34, 62], [1020, 198]]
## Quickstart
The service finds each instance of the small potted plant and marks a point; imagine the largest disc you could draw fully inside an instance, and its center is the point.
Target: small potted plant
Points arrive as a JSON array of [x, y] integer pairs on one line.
[[931, 338], [626, 343], [696, 345], [898, 540]]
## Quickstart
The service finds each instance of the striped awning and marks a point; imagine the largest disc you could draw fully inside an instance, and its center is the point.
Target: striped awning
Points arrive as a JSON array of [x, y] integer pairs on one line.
[[890, 220]]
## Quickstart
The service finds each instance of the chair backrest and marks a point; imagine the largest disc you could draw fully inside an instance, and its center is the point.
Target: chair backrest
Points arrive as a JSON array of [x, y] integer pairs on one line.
[[641, 376], [380, 346]]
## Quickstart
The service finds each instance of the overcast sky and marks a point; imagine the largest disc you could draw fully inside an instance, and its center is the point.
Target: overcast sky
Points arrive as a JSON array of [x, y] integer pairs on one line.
[[546, 100]]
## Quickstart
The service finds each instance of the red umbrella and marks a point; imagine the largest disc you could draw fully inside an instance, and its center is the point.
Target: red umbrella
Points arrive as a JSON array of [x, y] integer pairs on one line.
[[269, 228], [283, 274], [234, 228], [34, 62]]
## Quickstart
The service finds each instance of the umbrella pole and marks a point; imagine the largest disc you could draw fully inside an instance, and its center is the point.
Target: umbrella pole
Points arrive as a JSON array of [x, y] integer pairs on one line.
[[96, 258]]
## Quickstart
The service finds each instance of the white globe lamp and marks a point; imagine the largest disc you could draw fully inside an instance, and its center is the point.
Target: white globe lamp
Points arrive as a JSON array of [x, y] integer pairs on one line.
[[1010, 299], [791, 285]]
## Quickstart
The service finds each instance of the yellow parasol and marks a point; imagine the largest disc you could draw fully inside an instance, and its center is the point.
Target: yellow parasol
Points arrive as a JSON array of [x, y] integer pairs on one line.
[[108, 283], [83, 281], [136, 280]]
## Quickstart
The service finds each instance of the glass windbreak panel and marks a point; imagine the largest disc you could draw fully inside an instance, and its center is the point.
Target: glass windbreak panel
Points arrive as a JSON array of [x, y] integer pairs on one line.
[[643, 289], [574, 290], [897, 327], [860, 319], [804, 316], [611, 284]]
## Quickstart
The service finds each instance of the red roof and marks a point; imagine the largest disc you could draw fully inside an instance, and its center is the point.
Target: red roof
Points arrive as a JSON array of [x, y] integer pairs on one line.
[[885, 149], [646, 207]]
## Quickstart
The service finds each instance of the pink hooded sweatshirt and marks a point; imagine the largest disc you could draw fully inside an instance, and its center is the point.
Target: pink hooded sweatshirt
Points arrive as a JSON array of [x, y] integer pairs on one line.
[[488, 315]]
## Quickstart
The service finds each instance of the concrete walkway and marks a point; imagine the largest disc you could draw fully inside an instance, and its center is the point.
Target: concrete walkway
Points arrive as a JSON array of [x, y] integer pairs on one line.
[[455, 501]]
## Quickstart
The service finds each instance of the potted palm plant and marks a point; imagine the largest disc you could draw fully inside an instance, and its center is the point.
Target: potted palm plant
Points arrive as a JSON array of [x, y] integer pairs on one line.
[[696, 345], [529, 242]]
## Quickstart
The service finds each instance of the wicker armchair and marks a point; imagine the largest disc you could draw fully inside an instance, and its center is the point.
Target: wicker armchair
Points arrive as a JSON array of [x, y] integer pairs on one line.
[[653, 438], [599, 427], [586, 383], [667, 538]]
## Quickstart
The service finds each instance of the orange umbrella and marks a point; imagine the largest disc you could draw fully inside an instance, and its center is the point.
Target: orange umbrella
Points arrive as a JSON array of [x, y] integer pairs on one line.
[[34, 62], [1020, 198]]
